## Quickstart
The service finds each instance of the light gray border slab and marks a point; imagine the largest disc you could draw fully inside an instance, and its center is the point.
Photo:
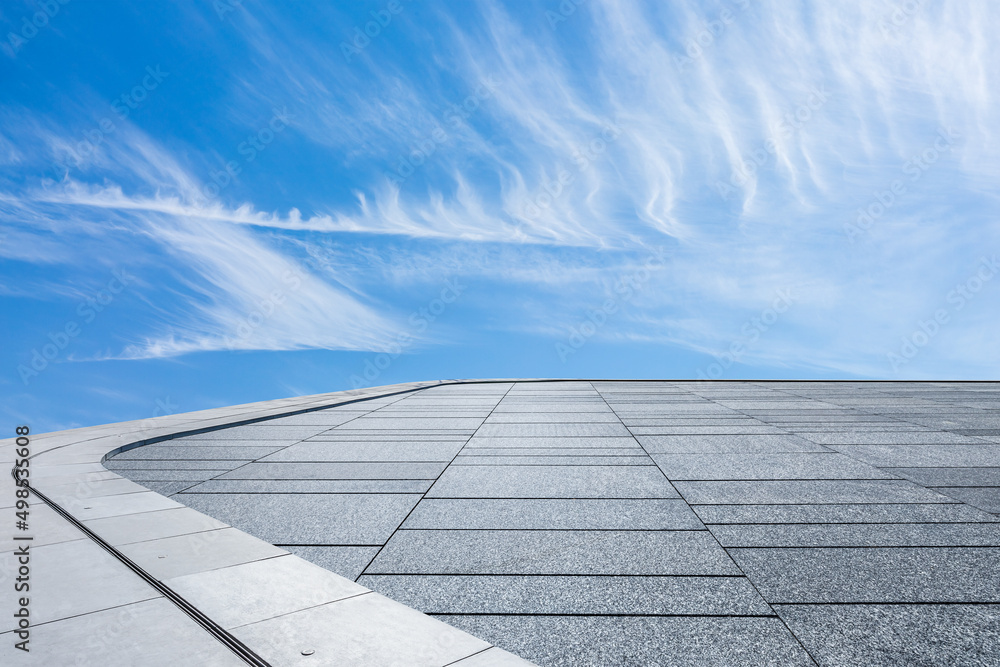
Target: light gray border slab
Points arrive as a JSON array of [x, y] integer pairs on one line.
[[67, 467]]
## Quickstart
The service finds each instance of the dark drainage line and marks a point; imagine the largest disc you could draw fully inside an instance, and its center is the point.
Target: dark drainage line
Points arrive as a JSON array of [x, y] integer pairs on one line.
[[213, 628]]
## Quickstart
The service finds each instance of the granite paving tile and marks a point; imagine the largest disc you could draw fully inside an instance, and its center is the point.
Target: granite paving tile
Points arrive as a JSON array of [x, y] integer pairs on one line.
[[775, 404], [156, 453], [404, 411], [574, 641], [552, 552], [897, 635], [791, 465], [392, 437], [375, 422], [668, 428], [591, 407], [383, 434], [448, 403], [668, 421], [260, 431], [985, 498], [491, 594], [924, 455], [367, 451], [298, 470], [743, 444], [552, 482], [265, 486], [552, 442], [889, 438], [873, 574], [550, 430], [168, 488], [950, 476], [843, 513], [866, 420], [553, 417], [552, 529], [551, 514], [566, 452], [348, 562], [143, 476], [338, 519], [575, 391], [120, 465], [327, 418], [194, 442], [859, 535], [686, 409], [553, 460], [797, 492], [492, 657]]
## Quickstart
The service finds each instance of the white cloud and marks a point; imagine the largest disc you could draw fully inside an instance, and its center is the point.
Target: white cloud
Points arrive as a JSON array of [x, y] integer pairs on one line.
[[814, 108]]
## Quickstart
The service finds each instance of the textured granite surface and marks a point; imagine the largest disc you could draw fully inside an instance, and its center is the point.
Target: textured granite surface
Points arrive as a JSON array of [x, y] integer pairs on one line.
[[637, 523]]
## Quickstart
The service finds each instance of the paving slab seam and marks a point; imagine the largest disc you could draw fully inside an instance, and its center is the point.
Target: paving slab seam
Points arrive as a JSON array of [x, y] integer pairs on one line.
[[424, 494], [560, 530], [933, 405], [217, 631], [296, 611], [888, 502], [612, 614], [904, 603], [966, 547], [618, 575], [219, 427], [228, 472], [938, 489], [90, 450], [716, 539], [838, 523]]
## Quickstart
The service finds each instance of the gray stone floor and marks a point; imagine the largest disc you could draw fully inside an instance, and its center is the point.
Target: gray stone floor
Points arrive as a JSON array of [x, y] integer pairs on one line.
[[639, 523]]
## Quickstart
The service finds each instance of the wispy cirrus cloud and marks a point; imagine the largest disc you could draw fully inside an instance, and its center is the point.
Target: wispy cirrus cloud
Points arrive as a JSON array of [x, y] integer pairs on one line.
[[225, 288], [594, 141]]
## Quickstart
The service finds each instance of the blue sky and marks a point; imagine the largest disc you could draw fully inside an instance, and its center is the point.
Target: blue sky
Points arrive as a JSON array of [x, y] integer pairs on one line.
[[214, 202]]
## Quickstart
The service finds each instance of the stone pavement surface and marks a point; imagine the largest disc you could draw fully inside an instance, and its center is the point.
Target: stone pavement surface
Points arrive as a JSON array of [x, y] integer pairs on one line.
[[620, 523], [110, 573]]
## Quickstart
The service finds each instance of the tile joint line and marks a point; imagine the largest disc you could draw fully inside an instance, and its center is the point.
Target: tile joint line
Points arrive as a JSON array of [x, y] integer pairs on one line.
[[229, 641]]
